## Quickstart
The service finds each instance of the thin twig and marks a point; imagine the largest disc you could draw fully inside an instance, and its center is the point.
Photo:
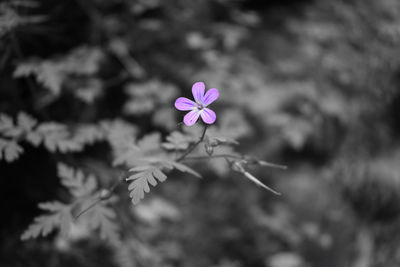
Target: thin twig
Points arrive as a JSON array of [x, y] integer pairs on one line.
[[213, 156], [116, 183], [260, 162], [193, 146], [88, 208], [272, 165], [102, 197], [121, 179]]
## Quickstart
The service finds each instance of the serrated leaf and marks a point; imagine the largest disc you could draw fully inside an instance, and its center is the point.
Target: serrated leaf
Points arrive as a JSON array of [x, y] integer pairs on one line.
[[89, 91], [178, 141], [217, 140], [24, 69], [140, 168], [53, 73], [75, 181], [8, 128], [13, 133], [60, 218], [141, 181], [102, 218], [51, 206], [88, 134], [132, 155], [23, 125], [6, 122], [56, 137], [129, 155], [10, 150], [146, 97], [166, 163], [150, 143], [183, 168], [26, 122], [118, 132], [46, 72], [52, 127], [34, 138]]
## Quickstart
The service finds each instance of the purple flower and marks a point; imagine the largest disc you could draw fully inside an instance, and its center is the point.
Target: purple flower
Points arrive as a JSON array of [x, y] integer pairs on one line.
[[198, 108]]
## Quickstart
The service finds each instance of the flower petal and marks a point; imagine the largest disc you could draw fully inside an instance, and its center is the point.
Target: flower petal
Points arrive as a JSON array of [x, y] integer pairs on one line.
[[198, 91], [208, 116], [183, 103], [211, 96], [191, 117]]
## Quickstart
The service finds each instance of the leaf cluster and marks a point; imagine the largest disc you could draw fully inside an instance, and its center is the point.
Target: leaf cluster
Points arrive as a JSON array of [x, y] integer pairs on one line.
[[57, 137], [61, 216], [148, 164]]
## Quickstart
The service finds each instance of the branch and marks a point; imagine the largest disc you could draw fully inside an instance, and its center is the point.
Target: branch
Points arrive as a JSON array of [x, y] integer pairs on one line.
[[213, 156], [193, 146], [227, 156]]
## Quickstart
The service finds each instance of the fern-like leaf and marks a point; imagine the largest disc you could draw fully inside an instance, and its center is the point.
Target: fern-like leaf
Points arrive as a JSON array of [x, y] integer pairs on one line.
[[56, 137], [88, 134], [83, 189], [102, 218], [183, 168], [59, 218], [75, 181], [53, 74], [26, 122], [144, 176], [178, 141], [9, 150], [169, 164], [46, 73], [150, 144], [6, 125], [133, 154]]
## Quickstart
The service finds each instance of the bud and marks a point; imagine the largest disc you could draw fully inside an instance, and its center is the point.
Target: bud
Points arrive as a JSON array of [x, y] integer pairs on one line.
[[237, 166], [209, 149], [251, 160], [105, 194], [215, 143]]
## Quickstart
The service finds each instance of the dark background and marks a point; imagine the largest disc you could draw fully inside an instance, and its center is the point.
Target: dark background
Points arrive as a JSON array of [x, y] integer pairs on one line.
[[310, 84]]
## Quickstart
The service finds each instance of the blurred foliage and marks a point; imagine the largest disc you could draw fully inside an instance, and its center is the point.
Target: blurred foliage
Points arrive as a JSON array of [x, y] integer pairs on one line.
[[312, 84]]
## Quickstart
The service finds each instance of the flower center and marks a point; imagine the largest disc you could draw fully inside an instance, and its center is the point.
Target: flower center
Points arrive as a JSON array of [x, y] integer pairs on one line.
[[199, 106]]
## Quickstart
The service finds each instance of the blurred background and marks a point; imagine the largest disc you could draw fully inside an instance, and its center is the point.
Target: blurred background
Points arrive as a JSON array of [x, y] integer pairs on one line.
[[312, 84]]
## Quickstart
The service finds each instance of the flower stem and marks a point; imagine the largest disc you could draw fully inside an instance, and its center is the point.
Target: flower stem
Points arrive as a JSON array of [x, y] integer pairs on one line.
[[121, 179], [193, 146], [229, 156], [213, 156]]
